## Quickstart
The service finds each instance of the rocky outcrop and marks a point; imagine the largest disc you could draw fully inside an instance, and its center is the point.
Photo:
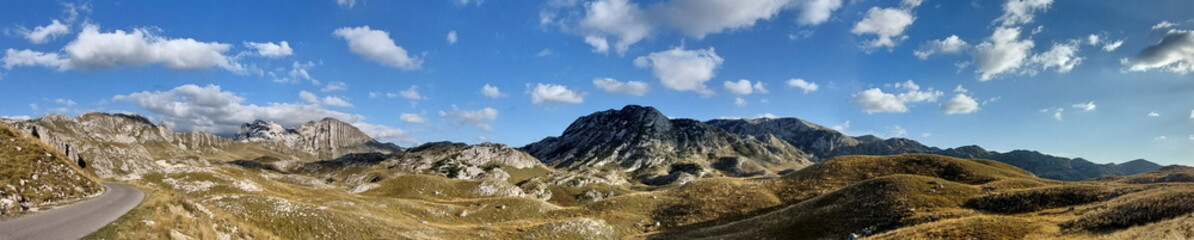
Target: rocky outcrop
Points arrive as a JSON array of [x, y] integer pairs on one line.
[[33, 174], [327, 138], [642, 141], [463, 161]]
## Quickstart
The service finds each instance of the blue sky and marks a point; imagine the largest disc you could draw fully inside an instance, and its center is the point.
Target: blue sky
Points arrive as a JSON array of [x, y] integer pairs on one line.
[[1105, 80]]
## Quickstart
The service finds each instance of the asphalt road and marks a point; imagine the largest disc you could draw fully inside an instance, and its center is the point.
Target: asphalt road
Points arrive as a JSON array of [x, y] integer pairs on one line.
[[76, 220]]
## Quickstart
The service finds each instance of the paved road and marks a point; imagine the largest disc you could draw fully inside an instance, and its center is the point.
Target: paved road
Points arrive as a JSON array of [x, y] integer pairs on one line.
[[76, 220]]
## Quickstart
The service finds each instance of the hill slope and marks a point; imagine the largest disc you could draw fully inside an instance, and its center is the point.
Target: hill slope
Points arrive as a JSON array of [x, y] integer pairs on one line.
[[34, 174]]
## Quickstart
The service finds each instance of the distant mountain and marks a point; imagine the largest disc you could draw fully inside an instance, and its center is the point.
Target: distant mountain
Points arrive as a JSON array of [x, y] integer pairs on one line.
[[659, 150], [824, 143], [327, 138]]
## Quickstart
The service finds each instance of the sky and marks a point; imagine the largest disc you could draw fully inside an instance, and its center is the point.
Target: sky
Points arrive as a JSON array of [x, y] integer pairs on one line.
[[1109, 81]]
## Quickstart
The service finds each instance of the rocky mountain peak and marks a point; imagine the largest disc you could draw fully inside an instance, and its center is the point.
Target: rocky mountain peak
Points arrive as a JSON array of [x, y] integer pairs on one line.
[[261, 130], [643, 141], [326, 138]]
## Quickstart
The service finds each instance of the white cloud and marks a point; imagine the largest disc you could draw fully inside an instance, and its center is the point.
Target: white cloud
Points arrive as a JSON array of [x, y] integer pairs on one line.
[[1061, 56], [413, 118], [683, 70], [698, 18], [308, 97], [803, 85], [739, 101], [336, 101], [1154, 114], [452, 37], [551, 93], [1002, 53], [466, 2], [761, 87], [543, 53], [491, 91], [887, 23], [327, 100], [63, 101], [335, 86], [480, 118], [1021, 11], [740, 87], [1192, 137], [1160, 138], [960, 104], [620, 19], [43, 34], [1163, 25], [376, 45], [611, 85], [842, 127], [17, 58], [618, 24], [1192, 114], [949, 45], [209, 109], [875, 100], [411, 93], [18, 118], [298, 72], [93, 50], [271, 50], [814, 12], [1093, 39], [1174, 53], [960, 89], [346, 3], [1111, 46], [897, 131], [1086, 106]]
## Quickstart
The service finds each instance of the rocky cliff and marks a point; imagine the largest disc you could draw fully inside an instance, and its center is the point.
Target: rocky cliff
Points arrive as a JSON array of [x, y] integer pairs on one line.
[[33, 174], [327, 138], [647, 144]]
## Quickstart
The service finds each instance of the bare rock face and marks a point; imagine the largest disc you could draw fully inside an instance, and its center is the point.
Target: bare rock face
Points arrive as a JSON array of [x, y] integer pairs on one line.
[[644, 142], [123, 146], [327, 138]]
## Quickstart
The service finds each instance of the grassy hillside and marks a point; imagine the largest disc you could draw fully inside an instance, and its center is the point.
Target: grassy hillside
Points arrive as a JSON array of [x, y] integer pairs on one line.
[[34, 175], [888, 197]]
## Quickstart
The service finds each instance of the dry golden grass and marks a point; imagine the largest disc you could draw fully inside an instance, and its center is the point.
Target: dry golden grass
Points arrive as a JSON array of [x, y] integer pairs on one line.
[[49, 176]]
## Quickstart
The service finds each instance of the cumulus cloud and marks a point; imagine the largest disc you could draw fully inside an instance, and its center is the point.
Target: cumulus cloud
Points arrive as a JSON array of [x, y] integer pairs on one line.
[[411, 93], [1154, 114], [491, 91], [683, 70], [335, 86], [611, 85], [887, 24], [95, 50], [739, 101], [377, 46], [814, 12], [803, 85], [271, 50], [551, 93], [949, 45], [1021, 11], [413, 118], [212, 110], [1174, 53], [327, 100], [298, 72], [897, 131], [740, 87], [480, 118], [346, 3], [618, 24], [1163, 25], [1004, 52], [43, 34], [1061, 56], [452, 37], [874, 100], [698, 18], [960, 104]]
